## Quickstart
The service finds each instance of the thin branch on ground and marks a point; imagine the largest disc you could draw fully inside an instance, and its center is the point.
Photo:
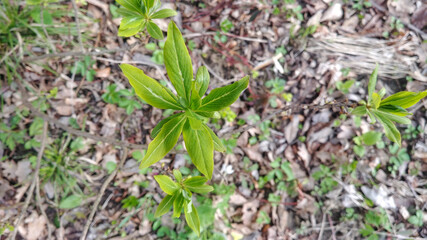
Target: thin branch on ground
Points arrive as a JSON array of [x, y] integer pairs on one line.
[[8, 53], [195, 35], [78, 53], [71, 130], [322, 227], [332, 227], [101, 193], [33, 184], [287, 108], [79, 34], [151, 64], [38, 198], [147, 63]]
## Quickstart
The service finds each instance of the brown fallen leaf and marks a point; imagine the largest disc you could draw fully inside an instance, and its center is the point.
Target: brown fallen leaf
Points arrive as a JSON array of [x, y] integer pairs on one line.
[[419, 18], [103, 73], [36, 225]]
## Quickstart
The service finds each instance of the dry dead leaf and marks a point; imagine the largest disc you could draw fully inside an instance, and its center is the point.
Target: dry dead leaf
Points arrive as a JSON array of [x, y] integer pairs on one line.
[[380, 196], [36, 225], [291, 130], [249, 210], [304, 155], [237, 199], [253, 153], [103, 73], [333, 13]]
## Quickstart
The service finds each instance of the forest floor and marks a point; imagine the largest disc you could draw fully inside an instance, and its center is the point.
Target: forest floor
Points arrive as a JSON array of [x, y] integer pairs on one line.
[[74, 138]]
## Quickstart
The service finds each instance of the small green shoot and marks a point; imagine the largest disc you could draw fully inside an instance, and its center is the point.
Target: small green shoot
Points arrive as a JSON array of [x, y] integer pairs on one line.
[[138, 15]]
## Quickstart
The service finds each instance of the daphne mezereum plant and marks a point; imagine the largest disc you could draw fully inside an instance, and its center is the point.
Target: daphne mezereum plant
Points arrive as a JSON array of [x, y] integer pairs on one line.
[[200, 140], [138, 15], [390, 110]]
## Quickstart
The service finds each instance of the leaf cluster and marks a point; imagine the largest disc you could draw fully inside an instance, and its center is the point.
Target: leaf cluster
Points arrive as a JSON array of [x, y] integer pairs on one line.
[[199, 139], [123, 97], [138, 15], [179, 195], [84, 68], [390, 110]]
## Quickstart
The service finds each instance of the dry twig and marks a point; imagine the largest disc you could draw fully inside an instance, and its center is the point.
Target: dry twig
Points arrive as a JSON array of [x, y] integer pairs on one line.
[[78, 53], [33, 184], [76, 15], [71, 130], [287, 108], [101, 193]]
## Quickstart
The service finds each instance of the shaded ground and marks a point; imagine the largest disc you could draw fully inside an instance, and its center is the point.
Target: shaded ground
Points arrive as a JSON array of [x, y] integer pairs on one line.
[[300, 174]]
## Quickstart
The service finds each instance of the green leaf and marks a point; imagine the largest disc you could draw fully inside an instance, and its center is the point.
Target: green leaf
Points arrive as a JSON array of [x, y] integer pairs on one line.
[[36, 128], [396, 110], [375, 100], [404, 99], [178, 62], [166, 184], [110, 166], [201, 189], [393, 117], [132, 5], [154, 30], [359, 150], [177, 174], [371, 137], [149, 3], [164, 13], [195, 181], [286, 167], [220, 98], [390, 129], [202, 80], [34, 2], [372, 83], [149, 89], [216, 115], [368, 230], [159, 125], [382, 92], [164, 206], [177, 205], [217, 142], [192, 218], [359, 111], [195, 123], [371, 116], [69, 202], [164, 141], [127, 13], [195, 99], [199, 145], [131, 22], [128, 32]]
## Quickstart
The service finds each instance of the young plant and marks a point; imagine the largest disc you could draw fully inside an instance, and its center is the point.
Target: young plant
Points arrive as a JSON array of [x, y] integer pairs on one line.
[[327, 182], [390, 110], [157, 56], [179, 196], [124, 98], [138, 15], [84, 68], [199, 139]]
